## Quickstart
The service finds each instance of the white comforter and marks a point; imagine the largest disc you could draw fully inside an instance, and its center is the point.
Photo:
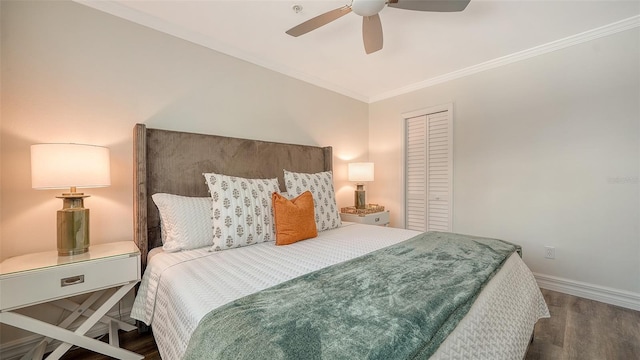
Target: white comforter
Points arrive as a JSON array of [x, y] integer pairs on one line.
[[179, 289]]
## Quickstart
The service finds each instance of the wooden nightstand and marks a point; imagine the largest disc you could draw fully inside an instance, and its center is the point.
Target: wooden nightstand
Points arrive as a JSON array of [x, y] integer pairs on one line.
[[112, 269], [379, 218]]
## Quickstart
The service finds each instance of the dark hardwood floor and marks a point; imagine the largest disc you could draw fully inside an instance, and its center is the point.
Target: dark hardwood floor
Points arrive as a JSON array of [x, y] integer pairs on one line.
[[586, 330], [578, 329], [139, 344]]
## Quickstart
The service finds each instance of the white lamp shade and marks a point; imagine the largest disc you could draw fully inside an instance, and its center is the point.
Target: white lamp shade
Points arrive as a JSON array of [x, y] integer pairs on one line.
[[60, 166], [362, 171]]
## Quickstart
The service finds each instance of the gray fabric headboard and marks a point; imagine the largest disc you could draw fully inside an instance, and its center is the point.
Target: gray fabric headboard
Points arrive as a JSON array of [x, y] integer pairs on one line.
[[173, 162]]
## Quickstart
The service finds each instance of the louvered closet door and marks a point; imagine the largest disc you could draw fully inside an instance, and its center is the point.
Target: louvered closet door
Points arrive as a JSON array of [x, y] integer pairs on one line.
[[428, 172]]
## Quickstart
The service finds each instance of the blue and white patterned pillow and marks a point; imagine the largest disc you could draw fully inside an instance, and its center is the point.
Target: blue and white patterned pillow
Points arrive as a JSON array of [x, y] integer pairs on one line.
[[242, 210], [324, 197]]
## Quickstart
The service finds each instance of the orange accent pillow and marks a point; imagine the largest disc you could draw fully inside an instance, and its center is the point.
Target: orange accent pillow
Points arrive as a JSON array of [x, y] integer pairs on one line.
[[294, 219]]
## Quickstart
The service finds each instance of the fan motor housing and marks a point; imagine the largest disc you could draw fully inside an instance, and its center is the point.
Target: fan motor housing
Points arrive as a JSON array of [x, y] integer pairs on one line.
[[367, 7]]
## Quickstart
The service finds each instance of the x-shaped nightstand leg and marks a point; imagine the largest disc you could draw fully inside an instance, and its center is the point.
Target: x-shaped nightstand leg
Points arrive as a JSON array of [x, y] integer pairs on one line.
[[77, 338]]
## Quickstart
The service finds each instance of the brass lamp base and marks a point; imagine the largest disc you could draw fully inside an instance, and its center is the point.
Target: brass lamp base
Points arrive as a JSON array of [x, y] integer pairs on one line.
[[73, 225], [360, 197]]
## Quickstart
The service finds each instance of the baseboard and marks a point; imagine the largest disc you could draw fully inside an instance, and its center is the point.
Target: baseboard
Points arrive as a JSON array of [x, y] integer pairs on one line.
[[15, 349], [626, 299]]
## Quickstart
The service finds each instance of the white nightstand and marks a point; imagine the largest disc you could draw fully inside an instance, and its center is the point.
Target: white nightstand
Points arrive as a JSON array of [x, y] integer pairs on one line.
[[112, 269], [379, 218]]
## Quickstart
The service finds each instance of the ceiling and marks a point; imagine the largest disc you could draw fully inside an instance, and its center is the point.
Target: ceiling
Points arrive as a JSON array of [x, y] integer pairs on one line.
[[420, 48]]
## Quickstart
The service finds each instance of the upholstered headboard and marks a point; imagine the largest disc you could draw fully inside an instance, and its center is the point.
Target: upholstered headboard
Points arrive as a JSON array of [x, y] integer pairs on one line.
[[173, 162]]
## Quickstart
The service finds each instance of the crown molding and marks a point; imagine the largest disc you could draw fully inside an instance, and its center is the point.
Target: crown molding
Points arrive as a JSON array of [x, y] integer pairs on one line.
[[613, 28], [152, 22], [122, 11]]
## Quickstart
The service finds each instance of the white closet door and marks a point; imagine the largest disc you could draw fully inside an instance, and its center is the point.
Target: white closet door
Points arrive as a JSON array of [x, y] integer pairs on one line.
[[416, 174], [429, 172]]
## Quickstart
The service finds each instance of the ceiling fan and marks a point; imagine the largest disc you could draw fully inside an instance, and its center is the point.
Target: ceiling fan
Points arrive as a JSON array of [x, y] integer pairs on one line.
[[371, 25]]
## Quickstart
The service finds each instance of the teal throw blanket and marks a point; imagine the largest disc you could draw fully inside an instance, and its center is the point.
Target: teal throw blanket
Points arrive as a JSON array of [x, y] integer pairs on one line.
[[399, 302]]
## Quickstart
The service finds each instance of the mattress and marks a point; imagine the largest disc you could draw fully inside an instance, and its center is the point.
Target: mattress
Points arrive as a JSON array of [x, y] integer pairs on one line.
[[179, 289]]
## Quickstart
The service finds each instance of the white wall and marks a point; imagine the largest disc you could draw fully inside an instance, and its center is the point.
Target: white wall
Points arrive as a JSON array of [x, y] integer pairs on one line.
[[546, 152], [74, 74]]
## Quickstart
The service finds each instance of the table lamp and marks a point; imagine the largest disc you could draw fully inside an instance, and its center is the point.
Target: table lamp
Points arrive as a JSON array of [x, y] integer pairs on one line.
[[72, 166], [360, 172]]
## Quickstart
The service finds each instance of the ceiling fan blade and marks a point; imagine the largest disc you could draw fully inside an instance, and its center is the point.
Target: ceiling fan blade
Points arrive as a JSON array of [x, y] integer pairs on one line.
[[318, 21], [372, 33], [430, 5]]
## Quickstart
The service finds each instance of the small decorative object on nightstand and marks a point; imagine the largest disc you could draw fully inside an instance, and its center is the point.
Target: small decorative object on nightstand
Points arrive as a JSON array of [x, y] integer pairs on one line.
[[32, 279], [371, 214]]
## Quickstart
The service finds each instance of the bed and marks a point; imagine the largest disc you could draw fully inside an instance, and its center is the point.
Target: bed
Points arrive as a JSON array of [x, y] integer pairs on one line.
[[220, 304]]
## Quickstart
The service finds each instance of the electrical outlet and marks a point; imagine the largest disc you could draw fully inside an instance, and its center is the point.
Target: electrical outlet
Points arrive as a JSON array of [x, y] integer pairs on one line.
[[549, 252]]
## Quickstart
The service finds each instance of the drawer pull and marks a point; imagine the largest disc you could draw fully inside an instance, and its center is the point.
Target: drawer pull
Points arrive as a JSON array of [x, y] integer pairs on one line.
[[377, 219], [79, 279]]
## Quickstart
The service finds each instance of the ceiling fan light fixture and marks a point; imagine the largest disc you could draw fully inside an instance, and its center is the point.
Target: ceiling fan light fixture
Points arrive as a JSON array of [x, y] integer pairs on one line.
[[368, 10], [367, 7]]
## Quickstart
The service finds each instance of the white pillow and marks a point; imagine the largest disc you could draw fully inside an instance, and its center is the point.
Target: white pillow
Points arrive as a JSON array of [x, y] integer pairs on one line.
[[324, 197], [185, 222], [242, 210]]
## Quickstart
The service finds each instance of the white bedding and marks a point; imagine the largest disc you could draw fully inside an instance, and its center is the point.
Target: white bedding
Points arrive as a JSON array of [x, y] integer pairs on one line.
[[179, 289]]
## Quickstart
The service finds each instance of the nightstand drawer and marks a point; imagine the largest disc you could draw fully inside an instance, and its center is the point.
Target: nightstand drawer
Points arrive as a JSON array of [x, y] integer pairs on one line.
[[379, 218], [46, 284]]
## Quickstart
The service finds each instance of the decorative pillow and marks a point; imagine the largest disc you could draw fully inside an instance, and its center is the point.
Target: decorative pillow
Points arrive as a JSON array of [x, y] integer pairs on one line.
[[321, 187], [242, 211], [294, 219], [185, 222]]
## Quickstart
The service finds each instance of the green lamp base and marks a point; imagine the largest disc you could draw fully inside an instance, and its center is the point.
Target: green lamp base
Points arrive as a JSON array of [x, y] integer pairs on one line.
[[73, 226]]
